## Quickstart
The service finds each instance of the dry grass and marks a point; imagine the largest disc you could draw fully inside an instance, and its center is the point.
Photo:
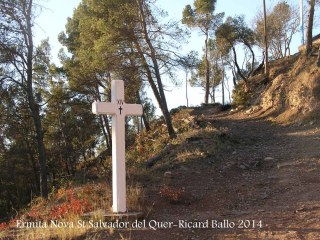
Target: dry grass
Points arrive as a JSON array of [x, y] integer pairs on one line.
[[3, 234], [135, 197], [188, 155], [99, 196], [50, 232]]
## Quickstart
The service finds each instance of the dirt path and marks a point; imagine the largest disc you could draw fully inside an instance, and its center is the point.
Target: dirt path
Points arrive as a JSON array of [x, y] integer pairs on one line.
[[265, 185], [279, 181]]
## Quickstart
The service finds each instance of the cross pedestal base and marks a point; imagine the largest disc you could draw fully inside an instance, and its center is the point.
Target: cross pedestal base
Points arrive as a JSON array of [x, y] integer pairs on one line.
[[110, 216]]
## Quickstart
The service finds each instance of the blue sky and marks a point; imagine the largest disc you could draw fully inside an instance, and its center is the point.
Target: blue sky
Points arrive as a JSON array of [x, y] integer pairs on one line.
[[52, 21]]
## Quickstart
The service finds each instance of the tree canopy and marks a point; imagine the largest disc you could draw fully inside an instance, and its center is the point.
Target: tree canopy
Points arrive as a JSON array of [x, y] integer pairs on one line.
[[202, 17], [283, 23], [232, 32]]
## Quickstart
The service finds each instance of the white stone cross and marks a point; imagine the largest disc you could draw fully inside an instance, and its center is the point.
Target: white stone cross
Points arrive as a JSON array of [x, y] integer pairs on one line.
[[118, 109]]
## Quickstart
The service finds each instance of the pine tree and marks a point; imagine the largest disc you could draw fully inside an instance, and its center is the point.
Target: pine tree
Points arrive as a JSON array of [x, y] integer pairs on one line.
[[202, 17], [120, 39], [17, 61]]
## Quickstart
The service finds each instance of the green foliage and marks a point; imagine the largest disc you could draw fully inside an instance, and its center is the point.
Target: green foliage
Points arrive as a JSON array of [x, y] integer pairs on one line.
[[149, 110], [216, 69], [24, 69], [232, 32], [120, 39], [71, 129], [283, 23], [188, 16], [204, 6], [240, 95], [201, 15], [18, 160], [38, 109]]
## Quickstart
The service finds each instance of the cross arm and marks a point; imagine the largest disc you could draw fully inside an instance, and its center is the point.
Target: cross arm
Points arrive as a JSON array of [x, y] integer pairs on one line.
[[133, 109], [104, 108]]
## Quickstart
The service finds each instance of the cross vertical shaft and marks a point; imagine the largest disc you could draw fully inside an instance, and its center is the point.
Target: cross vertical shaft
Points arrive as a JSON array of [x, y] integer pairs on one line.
[[118, 150], [118, 164]]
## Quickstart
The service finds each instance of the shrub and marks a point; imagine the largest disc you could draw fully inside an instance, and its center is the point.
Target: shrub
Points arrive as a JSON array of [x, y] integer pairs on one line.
[[64, 204], [3, 226], [240, 95], [171, 194]]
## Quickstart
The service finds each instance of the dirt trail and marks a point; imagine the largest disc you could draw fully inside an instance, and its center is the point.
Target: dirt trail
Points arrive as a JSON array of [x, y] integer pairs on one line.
[[281, 166], [266, 183]]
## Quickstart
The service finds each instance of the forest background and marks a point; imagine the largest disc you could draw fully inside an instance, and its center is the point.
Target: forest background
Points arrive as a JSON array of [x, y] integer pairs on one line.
[[47, 129]]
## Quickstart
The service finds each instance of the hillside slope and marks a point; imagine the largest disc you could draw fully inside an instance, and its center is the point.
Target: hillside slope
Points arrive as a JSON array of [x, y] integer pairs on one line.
[[291, 92]]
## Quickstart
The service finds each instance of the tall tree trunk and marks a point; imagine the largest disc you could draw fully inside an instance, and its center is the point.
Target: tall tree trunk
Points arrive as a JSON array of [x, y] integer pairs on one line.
[[107, 127], [187, 87], [266, 61], [223, 77], [34, 107], [206, 97], [310, 27], [149, 78], [234, 79], [237, 65], [104, 127], [253, 59], [104, 130], [65, 152], [222, 89], [104, 123], [34, 166], [213, 95], [149, 74], [145, 121], [143, 117], [41, 148], [153, 57]]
